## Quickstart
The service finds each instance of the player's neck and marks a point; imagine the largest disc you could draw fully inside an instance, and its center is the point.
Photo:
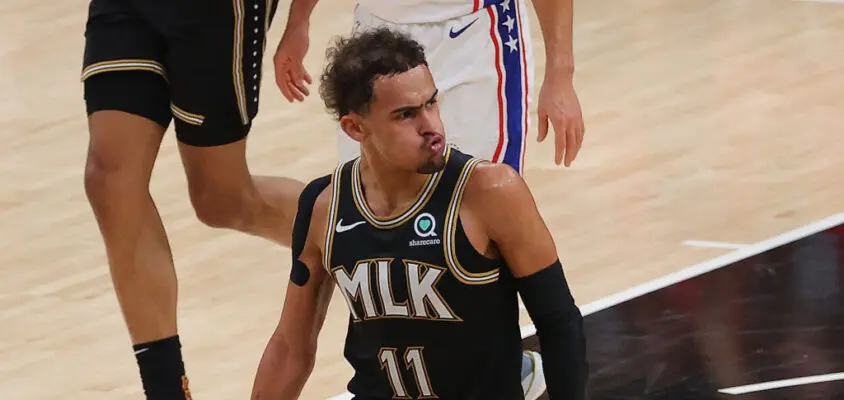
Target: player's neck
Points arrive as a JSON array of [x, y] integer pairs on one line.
[[388, 190]]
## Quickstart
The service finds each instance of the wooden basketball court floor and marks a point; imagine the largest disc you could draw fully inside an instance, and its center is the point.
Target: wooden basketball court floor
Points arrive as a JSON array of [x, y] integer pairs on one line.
[[717, 121]]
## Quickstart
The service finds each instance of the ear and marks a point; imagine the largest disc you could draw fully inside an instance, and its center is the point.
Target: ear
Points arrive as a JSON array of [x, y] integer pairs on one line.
[[351, 124]]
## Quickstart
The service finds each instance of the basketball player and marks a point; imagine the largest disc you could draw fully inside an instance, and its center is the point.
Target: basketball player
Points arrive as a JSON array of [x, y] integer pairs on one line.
[[481, 57], [146, 61], [412, 234]]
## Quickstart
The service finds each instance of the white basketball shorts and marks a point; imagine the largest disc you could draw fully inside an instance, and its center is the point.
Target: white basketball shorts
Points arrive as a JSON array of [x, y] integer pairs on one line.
[[482, 64]]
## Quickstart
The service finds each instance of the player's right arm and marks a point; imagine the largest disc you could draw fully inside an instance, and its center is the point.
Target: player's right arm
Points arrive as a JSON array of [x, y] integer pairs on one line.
[[525, 243], [290, 74], [289, 357]]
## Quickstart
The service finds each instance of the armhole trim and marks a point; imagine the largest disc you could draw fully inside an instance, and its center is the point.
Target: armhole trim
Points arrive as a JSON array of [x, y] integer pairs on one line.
[[462, 275], [332, 217]]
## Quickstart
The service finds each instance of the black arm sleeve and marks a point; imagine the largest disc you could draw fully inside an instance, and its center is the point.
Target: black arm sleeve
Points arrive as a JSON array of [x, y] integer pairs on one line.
[[299, 272], [559, 325]]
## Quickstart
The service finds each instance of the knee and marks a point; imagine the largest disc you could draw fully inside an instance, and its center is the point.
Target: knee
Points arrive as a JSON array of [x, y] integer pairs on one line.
[[220, 208], [104, 179]]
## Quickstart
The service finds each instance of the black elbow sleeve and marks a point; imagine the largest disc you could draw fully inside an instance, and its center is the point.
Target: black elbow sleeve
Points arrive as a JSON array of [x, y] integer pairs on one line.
[[559, 326], [299, 273]]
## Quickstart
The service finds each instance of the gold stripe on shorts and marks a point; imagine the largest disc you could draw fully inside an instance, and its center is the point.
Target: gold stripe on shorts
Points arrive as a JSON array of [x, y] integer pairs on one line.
[[190, 118], [237, 60], [123, 65]]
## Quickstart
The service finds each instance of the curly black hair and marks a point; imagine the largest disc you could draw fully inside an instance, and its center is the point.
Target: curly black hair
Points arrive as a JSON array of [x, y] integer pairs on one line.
[[354, 63]]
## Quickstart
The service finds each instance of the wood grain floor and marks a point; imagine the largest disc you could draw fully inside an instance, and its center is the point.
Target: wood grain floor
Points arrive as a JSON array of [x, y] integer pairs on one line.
[[706, 119]]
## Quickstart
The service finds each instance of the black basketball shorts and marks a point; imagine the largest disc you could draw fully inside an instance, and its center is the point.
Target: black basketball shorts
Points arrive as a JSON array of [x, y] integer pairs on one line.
[[197, 61]]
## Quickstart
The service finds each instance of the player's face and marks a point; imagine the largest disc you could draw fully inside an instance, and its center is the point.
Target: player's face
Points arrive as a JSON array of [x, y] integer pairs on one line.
[[403, 122]]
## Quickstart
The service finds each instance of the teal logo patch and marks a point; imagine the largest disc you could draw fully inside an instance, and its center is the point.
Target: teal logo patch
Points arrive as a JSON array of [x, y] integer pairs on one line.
[[425, 225]]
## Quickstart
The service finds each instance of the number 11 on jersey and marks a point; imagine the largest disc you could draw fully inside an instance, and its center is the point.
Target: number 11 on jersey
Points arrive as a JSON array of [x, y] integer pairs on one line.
[[414, 361]]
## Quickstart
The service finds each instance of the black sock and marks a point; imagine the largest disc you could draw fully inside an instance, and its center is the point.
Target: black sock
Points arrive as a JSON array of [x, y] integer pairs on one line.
[[162, 369]]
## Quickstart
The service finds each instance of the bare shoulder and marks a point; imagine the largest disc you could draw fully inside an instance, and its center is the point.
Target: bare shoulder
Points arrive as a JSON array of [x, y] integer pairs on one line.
[[501, 204], [493, 188], [498, 183]]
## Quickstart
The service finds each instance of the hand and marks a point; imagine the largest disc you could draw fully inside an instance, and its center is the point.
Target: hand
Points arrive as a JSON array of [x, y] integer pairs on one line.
[[558, 103], [290, 73]]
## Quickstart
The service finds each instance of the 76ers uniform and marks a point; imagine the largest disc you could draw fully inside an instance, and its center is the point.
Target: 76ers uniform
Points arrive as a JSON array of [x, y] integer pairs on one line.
[[479, 52], [431, 318]]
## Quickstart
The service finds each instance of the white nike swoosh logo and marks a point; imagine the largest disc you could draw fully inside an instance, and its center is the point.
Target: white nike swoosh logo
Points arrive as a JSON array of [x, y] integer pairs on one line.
[[343, 228], [139, 351]]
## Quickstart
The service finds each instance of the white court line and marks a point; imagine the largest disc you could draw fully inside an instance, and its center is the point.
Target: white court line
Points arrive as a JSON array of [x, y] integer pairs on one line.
[[706, 266], [717, 245], [806, 380], [693, 271], [821, 1]]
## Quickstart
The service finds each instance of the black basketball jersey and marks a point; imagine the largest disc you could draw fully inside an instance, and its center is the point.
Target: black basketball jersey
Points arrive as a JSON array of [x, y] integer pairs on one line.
[[430, 317]]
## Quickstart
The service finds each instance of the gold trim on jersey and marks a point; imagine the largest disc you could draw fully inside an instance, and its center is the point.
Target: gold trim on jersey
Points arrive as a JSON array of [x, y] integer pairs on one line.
[[129, 64], [237, 61], [332, 218], [189, 118], [450, 229], [399, 218]]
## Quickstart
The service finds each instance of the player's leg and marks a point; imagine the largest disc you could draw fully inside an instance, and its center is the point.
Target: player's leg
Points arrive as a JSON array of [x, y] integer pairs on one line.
[[484, 67], [215, 70], [225, 195], [126, 98], [486, 77]]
